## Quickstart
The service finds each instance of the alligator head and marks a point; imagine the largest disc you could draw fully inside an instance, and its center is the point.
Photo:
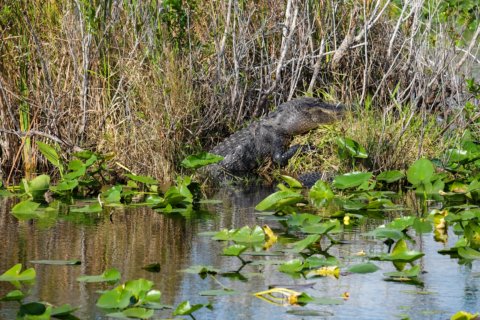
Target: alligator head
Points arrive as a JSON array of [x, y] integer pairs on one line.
[[302, 115]]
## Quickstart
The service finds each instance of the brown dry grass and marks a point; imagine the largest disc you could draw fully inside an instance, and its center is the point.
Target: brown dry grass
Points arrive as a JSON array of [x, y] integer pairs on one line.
[[153, 83]]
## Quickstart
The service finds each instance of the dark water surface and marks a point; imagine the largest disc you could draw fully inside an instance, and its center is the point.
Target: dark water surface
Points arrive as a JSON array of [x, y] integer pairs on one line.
[[129, 238]]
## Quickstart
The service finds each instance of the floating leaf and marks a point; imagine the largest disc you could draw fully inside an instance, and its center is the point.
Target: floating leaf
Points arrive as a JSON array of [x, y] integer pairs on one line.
[[411, 273], [303, 244], [117, 298], [15, 274], [279, 199], [14, 295], [363, 268], [292, 266], [248, 235], [234, 250], [63, 311], [136, 313], [29, 310], [152, 267], [320, 193], [109, 275], [25, 207], [351, 180], [199, 269], [57, 262], [38, 186], [185, 308], [469, 253]]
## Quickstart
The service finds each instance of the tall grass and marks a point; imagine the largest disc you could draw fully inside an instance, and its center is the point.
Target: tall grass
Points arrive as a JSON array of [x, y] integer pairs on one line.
[[155, 80]]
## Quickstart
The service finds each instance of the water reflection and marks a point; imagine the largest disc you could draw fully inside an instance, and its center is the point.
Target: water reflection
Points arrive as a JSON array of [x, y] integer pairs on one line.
[[131, 238]]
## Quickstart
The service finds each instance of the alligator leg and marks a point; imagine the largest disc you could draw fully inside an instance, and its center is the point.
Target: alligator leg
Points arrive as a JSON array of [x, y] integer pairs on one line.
[[281, 158]]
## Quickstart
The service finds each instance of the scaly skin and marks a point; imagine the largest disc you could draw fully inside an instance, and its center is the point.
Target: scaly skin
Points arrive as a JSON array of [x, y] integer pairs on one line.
[[269, 137]]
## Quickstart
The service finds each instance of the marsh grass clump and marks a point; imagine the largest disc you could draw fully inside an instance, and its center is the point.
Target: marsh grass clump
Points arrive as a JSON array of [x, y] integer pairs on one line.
[[393, 139]]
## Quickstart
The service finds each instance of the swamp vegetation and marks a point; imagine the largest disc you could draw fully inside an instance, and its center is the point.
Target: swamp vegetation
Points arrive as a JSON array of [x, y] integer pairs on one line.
[[106, 106]]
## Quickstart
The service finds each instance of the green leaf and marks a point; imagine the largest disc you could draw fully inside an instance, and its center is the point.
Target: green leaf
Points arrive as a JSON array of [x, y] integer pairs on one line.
[[38, 186], [25, 206], [109, 275], [200, 269], [469, 253], [234, 250], [322, 228], [279, 199], [137, 286], [57, 262], [301, 245], [291, 266], [248, 235], [136, 313], [387, 233], [421, 171], [422, 226], [352, 147], [185, 309], [320, 194], [363, 268], [153, 296], [401, 223], [201, 159], [292, 182], [15, 274], [14, 295], [117, 298], [34, 309], [390, 176], [152, 267], [63, 311], [411, 273], [350, 180], [66, 185], [50, 153]]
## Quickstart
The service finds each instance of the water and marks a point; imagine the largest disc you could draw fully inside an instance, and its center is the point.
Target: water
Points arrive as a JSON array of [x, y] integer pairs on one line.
[[128, 239]]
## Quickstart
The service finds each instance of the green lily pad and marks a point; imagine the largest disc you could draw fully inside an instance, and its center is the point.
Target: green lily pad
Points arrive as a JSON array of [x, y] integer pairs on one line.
[[292, 266], [25, 206], [278, 200], [363, 268], [136, 313], [57, 262], [15, 274], [351, 180], [109, 275], [234, 250]]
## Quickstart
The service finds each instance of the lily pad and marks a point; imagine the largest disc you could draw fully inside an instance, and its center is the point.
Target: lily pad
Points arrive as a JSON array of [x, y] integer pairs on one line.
[[109, 275]]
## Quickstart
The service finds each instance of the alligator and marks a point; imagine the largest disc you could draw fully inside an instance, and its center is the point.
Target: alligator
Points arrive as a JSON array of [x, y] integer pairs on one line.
[[270, 137]]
